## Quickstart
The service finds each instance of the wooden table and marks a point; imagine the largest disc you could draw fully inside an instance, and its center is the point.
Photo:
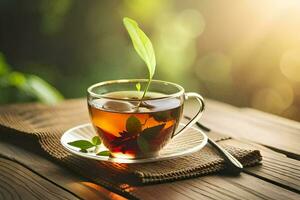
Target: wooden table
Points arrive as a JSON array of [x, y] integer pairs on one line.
[[27, 173]]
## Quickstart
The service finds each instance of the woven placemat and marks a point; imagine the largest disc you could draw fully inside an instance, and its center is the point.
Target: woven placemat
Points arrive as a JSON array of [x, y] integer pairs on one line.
[[46, 124]]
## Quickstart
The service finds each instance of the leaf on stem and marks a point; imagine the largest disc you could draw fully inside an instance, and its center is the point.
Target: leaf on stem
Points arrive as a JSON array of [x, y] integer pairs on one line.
[[138, 87], [141, 43], [142, 46]]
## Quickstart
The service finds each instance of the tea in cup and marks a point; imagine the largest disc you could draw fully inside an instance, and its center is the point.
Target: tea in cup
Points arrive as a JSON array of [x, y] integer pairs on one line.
[[134, 127]]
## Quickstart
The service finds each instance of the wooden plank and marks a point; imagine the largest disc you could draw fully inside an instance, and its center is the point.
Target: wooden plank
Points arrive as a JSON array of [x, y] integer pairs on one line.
[[27, 153], [17, 182], [234, 122], [276, 168], [279, 172], [278, 123], [215, 187], [274, 119]]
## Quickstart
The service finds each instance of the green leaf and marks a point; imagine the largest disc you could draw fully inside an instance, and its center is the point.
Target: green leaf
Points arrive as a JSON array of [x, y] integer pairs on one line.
[[17, 79], [143, 47], [4, 68], [145, 138], [143, 144], [96, 140], [162, 116], [104, 153], [150, 133], [142, 44], [42, 90], [133, 125], [138, 86], [82, 144]]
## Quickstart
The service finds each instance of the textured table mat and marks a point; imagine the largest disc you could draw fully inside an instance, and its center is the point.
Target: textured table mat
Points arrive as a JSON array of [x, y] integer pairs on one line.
[[46, 124]]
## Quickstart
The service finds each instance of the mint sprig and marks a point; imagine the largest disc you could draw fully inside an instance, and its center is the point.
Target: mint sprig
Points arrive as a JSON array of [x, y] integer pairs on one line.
[[84, 145], [143, 47]]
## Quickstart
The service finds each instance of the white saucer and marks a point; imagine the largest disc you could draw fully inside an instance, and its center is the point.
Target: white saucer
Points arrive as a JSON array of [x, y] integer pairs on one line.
[[188, 142]]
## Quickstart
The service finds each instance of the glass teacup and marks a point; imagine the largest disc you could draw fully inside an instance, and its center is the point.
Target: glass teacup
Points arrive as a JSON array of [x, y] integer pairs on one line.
[[131, 128]]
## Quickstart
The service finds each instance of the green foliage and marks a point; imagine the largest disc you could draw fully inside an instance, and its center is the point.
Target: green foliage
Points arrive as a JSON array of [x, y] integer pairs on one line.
[[16, 79], [143, 47], [53, 14], [28, 87], [3, 65], [42, 90]]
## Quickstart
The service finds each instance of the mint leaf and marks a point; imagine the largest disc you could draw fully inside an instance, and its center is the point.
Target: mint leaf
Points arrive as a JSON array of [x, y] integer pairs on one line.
[[96, 140], [85, 144], [162, 116], [104, 153], [150, 133], [142, 46], [145, 138], [133, 125], [143, 145], [138, 86], [82, 144]]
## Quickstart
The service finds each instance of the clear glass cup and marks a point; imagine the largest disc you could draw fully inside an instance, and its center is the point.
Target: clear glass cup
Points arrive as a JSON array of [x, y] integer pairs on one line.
[[131, 128]]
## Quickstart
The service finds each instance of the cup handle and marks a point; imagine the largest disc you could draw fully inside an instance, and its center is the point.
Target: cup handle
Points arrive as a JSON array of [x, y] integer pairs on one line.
[[197, 116]]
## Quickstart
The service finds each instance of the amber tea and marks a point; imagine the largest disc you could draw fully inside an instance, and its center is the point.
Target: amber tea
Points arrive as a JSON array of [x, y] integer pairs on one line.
[[131, 131]]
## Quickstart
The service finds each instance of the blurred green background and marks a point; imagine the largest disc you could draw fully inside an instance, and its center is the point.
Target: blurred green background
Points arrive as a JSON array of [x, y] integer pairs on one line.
[[246, 52]]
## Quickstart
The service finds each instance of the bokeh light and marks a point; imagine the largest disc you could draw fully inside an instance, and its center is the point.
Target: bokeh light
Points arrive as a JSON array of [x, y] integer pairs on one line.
[[190, 23], [290, 64], [214, 67], [246, 53], [175, 42], [275, 100]]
